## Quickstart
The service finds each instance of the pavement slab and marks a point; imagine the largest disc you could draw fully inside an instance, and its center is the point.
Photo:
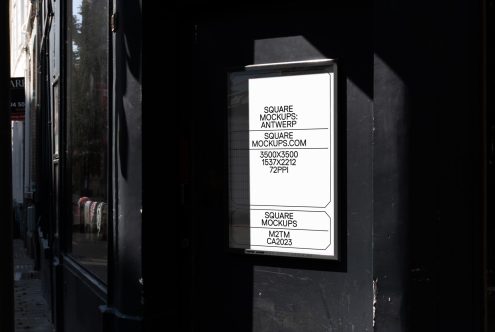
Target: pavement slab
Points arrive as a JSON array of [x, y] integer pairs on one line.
[[31, 310]]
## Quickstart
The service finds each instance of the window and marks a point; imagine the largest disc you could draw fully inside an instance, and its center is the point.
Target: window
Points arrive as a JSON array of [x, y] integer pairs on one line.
[[87, 131]]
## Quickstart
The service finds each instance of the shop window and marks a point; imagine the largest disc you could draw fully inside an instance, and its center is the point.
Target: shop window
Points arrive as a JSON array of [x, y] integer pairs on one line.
[[87, 132]]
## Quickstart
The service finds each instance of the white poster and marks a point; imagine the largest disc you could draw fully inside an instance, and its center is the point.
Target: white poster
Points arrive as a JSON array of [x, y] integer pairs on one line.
[[291, 166]]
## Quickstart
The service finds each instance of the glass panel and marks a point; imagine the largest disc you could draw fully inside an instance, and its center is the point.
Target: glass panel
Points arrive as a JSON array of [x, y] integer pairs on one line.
[[87, 132], [282, 132]]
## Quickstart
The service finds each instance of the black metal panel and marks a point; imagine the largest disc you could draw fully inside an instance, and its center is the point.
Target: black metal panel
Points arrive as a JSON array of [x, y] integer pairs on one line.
[[490, 161], [428, 174], [164, 297], [45, 266], [127, 283], [391, 183], [391, 204], [81, 303]]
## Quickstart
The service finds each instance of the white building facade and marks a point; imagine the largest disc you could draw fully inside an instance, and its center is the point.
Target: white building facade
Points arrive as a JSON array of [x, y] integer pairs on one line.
[[22, 18]]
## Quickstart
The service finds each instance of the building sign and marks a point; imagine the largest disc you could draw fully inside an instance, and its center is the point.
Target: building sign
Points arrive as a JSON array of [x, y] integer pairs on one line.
[[292, 172], [17, 98]]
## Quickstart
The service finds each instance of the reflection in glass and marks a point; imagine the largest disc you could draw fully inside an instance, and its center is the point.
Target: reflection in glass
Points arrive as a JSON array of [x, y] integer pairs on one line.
[[87, 132]]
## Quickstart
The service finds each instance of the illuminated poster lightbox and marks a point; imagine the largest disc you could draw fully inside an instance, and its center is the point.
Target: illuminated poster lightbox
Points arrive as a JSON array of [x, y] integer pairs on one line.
[[282, 161]]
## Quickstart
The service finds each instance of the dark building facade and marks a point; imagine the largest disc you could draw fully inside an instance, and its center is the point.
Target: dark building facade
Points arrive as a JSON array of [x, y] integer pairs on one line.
[[134, 227], [85, 162], [413, 87]]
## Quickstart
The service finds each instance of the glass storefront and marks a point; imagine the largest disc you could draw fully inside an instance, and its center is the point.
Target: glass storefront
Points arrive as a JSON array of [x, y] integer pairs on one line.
[[87, 132]]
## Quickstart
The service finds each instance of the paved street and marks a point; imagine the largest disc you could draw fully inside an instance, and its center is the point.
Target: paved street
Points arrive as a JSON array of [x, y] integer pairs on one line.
[[31, 310]]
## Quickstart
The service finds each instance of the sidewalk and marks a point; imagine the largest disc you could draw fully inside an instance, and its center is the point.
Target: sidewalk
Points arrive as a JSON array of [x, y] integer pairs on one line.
[[31, 311]]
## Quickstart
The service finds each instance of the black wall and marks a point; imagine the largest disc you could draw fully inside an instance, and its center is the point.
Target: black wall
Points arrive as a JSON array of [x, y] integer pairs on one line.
[[232, 292], [411, 82], [428, 176]]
